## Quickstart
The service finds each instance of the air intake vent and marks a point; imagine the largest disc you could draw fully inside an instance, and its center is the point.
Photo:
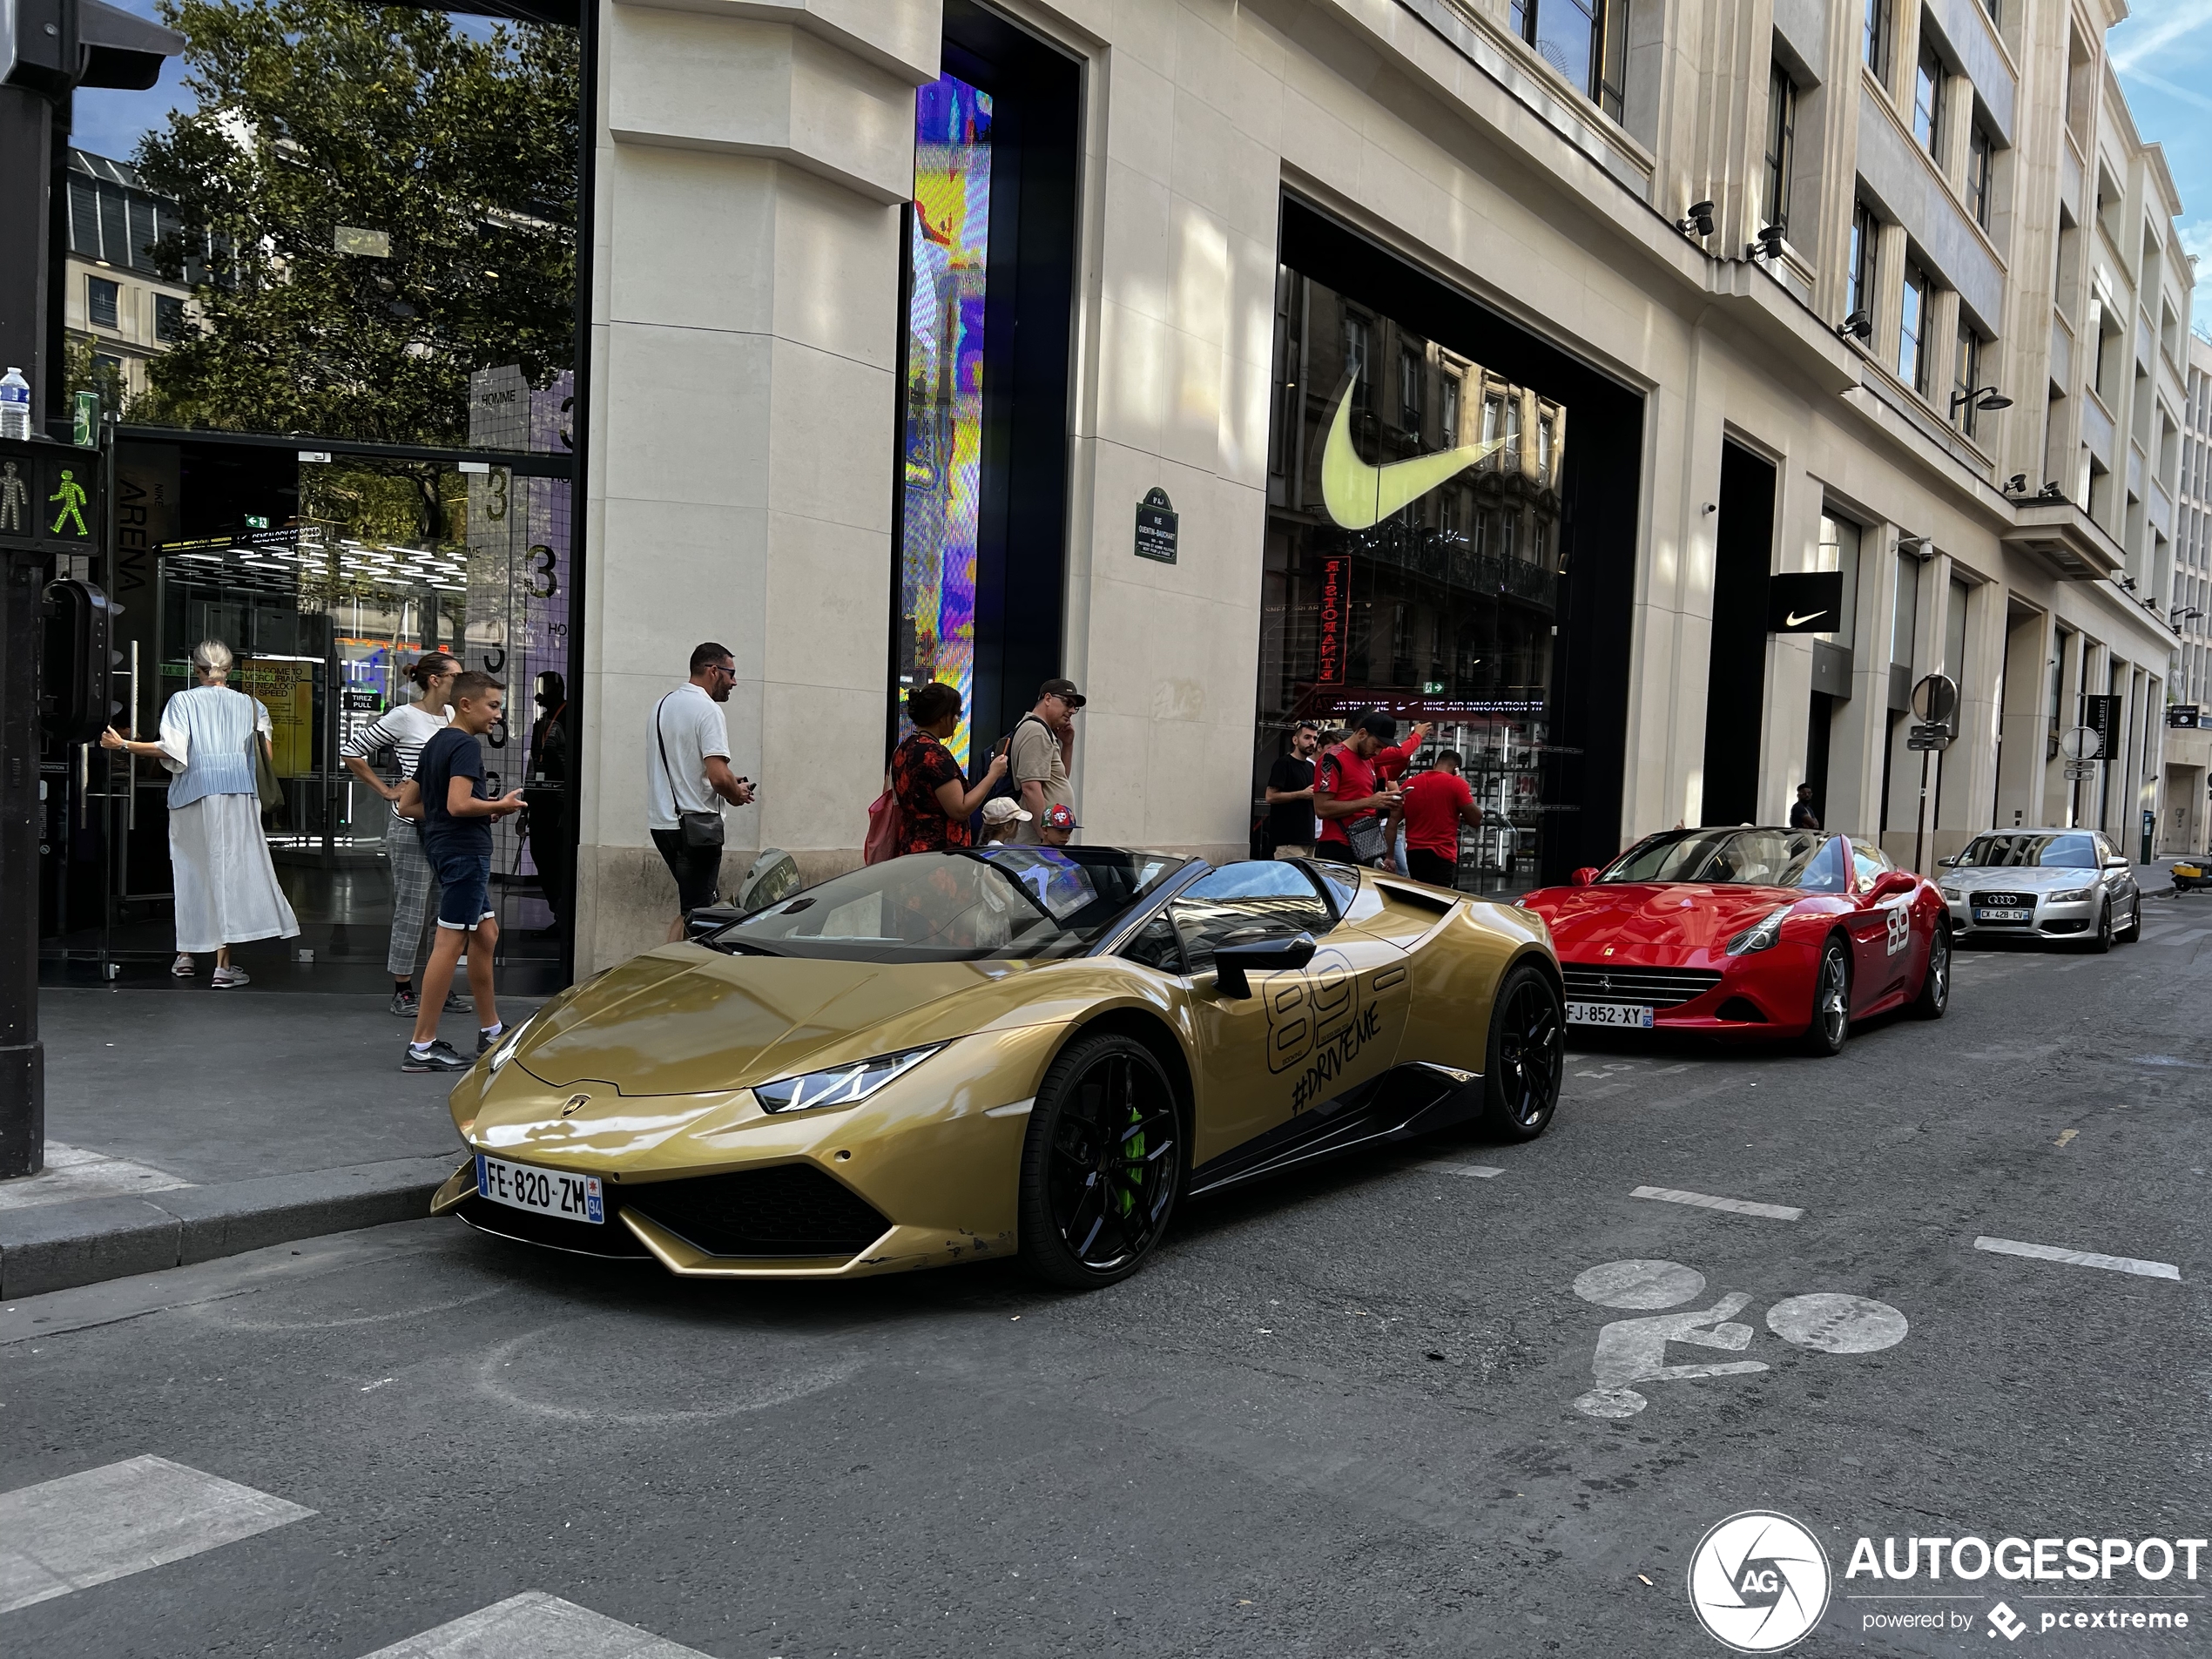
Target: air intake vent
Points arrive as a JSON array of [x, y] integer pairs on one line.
[[791, 1209]]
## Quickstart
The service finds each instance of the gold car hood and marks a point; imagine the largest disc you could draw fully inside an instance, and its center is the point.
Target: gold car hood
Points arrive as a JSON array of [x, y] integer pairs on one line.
[[683, 1019]]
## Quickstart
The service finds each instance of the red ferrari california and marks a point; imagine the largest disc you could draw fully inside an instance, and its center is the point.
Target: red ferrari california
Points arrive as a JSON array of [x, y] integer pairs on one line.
[[1749, 933]]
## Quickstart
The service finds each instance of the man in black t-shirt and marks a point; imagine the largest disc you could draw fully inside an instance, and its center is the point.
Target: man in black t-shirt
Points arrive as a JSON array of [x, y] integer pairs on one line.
[[1290, 795]]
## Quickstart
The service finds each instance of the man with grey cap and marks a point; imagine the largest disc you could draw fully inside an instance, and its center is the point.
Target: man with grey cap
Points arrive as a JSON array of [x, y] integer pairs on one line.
[[1041, 752]]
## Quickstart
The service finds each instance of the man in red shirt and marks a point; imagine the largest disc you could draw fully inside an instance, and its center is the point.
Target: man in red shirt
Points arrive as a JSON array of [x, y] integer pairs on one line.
[[1432, 807], [1347, 796]]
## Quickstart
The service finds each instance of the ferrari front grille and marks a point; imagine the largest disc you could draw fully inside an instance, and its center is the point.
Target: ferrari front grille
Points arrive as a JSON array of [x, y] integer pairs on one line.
[[791, 1209], [1660, 987]]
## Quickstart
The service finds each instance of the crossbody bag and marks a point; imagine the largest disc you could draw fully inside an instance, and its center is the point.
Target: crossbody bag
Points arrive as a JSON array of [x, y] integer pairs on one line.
[[701, 831]]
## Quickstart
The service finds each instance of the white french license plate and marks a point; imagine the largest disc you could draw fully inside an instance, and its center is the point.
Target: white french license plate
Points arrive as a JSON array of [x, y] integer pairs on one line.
[[550, 1192], [1624, 1014], [2004, 915]]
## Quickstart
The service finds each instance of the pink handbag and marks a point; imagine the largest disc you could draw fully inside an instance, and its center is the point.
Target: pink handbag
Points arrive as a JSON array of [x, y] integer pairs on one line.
[[887, 826]]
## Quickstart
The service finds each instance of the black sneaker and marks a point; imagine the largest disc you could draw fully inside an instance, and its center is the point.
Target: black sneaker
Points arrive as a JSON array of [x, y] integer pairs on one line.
[[439, 1057], [404, 1004], [485, 1044], [457, 1003]]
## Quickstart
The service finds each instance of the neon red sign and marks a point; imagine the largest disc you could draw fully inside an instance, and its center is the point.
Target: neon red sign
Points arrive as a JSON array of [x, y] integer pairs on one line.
[[1336, 618]]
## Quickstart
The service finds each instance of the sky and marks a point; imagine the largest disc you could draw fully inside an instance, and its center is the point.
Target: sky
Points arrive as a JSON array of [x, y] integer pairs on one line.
[[2163, 54]]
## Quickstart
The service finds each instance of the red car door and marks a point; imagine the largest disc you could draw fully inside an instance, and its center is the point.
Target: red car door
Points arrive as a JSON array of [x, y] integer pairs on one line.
[[1881, 931]]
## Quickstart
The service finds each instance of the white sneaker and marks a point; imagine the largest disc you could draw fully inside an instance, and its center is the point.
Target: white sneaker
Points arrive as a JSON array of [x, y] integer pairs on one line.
[[184, 967], [227, 978]]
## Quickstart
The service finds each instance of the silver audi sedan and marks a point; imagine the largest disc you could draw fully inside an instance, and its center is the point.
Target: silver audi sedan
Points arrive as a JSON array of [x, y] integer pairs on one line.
[[2060, 884]]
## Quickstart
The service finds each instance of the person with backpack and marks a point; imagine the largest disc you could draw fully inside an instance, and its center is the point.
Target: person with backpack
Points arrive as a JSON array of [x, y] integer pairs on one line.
[[1041, 751]]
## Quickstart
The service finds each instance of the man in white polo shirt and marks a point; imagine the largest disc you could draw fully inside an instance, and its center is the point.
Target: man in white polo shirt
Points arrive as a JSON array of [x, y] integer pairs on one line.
[[687, 779]]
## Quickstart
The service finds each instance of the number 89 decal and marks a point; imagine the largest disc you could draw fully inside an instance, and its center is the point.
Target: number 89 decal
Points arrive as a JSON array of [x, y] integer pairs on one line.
[[1899, 920]]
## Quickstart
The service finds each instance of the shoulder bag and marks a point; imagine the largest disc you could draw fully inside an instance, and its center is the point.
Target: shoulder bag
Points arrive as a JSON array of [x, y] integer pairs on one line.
[[266, 786], [700, 831]]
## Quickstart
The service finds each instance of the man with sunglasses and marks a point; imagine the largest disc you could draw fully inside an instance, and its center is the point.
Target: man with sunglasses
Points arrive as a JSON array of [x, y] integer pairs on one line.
[[1040, 752], [688, 777]]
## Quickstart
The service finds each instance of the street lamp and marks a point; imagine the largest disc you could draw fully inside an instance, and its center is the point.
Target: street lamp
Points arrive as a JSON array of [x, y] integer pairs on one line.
[[1986, 399], [1699, 222], [1858, 326], [2175, 618]]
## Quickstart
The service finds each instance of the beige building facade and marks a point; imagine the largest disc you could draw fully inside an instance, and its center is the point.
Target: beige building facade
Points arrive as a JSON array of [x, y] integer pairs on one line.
[[1957, 211]]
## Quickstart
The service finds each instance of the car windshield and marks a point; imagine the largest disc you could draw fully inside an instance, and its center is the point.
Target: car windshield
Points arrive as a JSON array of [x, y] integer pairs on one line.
[[2029, 852], [1756, 857], [1024, 902]]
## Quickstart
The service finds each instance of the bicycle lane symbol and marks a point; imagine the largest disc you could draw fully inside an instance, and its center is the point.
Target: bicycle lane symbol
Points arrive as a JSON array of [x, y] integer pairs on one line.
[[1635, 1351]]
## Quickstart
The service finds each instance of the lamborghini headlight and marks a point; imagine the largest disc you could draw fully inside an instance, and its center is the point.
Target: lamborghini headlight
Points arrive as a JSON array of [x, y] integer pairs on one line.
[[839, 1085], [1761, 934], [2071, 895]]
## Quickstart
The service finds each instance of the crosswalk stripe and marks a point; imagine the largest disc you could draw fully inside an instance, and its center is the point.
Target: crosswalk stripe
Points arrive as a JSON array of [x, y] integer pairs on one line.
[[108, 1523], [2079, 1258], [535, 1626], [1706, 1201]]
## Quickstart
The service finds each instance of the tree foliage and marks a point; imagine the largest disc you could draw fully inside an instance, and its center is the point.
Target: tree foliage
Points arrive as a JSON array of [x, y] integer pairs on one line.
[[458, 145]]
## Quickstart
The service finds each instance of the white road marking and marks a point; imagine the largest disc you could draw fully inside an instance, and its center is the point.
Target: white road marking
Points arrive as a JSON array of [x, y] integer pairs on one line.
[[1734, 1206], [2079, 1257], [107, 1523], [71, 1172], [1644, 1283], [536, 1626], [1461, 1169], [1837, 1323]]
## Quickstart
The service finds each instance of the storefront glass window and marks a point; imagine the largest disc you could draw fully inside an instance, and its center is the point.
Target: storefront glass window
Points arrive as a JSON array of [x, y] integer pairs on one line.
[[943, 434], [1403, 576]]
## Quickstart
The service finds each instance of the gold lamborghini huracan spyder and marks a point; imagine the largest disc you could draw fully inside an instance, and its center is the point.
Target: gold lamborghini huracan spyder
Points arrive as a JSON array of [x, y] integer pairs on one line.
[[1002, 1050]]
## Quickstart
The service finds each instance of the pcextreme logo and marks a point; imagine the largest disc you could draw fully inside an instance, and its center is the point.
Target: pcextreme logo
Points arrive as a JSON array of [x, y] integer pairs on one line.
[[1759, 1582], [1358, 495]]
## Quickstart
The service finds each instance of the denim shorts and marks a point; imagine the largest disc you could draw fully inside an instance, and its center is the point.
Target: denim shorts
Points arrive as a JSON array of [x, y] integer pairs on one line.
[[464, 881]]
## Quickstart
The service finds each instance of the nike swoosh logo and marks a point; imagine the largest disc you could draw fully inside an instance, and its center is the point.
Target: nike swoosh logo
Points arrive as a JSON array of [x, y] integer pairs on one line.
[[1794, 620], [1358, 495]]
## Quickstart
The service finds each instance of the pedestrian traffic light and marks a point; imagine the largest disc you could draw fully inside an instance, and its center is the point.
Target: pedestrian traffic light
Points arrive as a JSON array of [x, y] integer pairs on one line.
[[73, 669]]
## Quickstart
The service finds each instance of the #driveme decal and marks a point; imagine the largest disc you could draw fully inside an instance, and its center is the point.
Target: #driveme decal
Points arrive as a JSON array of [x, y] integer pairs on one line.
[[1761, 1582]]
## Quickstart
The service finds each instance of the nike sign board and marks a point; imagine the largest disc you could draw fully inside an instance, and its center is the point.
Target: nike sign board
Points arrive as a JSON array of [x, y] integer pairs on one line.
[[1805, 601], [1358, 495]]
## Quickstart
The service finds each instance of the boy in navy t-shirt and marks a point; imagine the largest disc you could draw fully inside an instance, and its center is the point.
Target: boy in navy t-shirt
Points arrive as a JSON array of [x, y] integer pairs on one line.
[[447, 795]]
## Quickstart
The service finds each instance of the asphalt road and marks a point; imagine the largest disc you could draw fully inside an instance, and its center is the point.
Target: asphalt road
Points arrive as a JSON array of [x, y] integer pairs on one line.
[[1335, 1416]]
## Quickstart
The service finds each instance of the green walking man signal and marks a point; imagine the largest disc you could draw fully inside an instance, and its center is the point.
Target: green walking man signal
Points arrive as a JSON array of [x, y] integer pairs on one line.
[[71, 496]]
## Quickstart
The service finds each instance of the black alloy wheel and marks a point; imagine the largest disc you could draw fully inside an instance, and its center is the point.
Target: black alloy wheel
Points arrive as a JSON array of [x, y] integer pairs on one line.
[[2101, 940], [1527, 1059], [1102, 1164], [1831, 1003], [1935, 983]]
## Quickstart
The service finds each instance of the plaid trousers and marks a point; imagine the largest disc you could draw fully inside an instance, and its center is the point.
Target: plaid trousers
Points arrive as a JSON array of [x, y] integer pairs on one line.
[[415, 896]]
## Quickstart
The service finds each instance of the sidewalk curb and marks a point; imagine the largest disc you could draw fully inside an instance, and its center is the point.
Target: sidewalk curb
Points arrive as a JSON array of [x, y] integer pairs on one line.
[[59, 1246]]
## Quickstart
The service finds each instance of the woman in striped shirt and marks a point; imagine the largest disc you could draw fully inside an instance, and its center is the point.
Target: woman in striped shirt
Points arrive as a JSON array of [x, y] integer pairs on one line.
[[403, 730], [226, 890]]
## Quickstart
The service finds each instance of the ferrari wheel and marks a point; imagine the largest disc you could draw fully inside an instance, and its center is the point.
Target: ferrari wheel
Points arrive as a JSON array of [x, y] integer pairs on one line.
[[2101, 940], [1528, 1055], [1831, 1003], [1103, 1164], [1935, 984]]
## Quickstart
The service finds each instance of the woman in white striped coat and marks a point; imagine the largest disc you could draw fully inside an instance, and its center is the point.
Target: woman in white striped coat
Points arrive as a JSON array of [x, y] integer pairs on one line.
[[226, 891]]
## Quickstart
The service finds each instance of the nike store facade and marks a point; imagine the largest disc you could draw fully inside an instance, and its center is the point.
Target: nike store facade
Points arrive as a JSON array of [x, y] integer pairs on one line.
[[1249, 361]]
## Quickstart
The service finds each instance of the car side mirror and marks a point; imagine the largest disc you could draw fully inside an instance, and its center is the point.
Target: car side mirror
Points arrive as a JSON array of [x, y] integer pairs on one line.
[[709, 918], [1585, 876], [1951, 863], [1233, 959], [1890, 883], [2117, 864]]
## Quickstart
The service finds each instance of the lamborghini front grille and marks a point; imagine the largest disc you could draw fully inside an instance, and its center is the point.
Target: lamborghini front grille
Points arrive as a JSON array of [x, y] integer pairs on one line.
[[791, 1209]]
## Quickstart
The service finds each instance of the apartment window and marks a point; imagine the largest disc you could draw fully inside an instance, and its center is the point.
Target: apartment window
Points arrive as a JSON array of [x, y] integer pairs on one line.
[[1965, 378], [100, 296], [1355, 357], [1928, 102], [1449, 397], [1877, 43], [1981, 169], [1865, 240], [1781, 137], [1585, 40], [168, 318], [1409, 390], [1995, 16], [1911, 361]]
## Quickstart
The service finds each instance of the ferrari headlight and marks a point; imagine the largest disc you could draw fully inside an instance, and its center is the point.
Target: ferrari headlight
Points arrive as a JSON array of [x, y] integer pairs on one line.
[[1761, 934], [2071, 895], [839, 1085], [513, 1040]]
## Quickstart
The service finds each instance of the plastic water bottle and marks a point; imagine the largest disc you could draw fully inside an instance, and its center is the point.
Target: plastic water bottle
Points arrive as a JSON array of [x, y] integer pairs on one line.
[[15, 404]]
